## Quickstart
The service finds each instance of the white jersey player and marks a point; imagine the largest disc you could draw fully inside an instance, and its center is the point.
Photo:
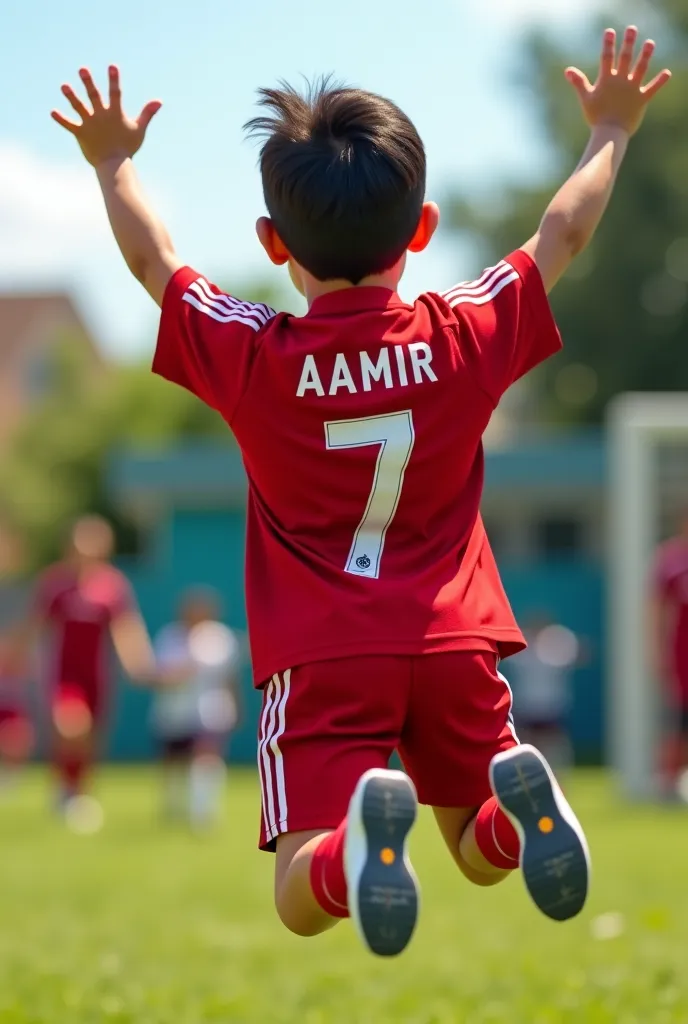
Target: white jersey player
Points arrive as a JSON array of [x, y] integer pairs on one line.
[[541, 677], [197, 708]]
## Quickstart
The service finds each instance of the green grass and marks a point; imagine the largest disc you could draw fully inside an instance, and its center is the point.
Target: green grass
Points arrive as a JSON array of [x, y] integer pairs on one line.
[[146, 924]]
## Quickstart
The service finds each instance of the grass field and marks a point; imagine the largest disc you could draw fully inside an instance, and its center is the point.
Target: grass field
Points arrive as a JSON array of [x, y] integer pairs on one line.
[[152, 925]]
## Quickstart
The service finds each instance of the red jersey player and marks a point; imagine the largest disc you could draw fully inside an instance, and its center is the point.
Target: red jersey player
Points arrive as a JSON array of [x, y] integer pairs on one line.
[[78, 605], [376, 614], [670, 640], [17, 733]]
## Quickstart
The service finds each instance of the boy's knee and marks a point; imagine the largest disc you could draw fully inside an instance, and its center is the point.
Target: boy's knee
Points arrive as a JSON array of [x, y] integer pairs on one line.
[[295, 921], [481, 878]]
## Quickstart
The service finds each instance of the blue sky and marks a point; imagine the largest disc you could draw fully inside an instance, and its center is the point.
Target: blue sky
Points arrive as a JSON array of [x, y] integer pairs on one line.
[[446, 62]]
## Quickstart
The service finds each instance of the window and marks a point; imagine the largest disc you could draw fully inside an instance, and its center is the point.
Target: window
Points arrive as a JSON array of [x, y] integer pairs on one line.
[[559, 537]]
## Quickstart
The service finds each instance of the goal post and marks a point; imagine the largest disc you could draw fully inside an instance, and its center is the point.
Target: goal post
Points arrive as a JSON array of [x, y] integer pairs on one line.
[[638, 426]]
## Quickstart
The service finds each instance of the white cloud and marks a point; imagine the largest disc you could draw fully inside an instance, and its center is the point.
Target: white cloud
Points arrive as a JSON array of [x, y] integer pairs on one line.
[[51, 214], [54, 233]]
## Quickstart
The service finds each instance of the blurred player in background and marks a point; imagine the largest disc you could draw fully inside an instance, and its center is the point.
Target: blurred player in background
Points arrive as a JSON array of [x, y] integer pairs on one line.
[[17, 732], [196, 706], [541, 677], [78, 606], [669, 645]]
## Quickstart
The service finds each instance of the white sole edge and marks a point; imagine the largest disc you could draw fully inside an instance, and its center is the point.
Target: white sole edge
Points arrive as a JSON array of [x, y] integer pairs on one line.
[[356, 844], [563, 806]]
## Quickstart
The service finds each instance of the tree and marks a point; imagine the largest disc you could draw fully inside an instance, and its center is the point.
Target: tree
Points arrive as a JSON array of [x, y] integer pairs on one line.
[[623, 308], [56, 467]]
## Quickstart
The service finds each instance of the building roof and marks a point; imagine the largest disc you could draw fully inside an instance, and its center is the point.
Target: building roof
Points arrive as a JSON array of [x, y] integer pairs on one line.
[[25, 318]]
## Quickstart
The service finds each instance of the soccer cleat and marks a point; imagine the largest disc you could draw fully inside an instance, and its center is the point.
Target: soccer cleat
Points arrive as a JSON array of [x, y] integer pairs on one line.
[[554, 857], [84, 815], [383, 893]]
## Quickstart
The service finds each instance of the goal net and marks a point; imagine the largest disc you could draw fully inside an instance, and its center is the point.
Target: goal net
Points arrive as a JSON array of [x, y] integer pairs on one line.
[[648, 489]]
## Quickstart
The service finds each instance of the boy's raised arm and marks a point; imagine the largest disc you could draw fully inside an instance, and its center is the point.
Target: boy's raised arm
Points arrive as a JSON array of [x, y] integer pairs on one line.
[[109, 139], [614, 108]]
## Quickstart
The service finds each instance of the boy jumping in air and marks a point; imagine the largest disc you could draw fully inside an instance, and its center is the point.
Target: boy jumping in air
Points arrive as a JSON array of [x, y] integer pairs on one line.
[[376, 613]]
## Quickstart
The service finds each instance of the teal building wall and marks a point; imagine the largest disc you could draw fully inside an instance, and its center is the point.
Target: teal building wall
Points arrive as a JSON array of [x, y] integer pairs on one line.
[[192, 504]]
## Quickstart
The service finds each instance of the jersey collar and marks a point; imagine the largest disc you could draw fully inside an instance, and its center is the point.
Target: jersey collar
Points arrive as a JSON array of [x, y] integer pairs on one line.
[[355, 300]]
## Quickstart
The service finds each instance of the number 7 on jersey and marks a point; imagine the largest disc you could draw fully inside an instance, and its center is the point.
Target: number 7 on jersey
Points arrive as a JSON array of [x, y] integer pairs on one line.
[[394, 434]]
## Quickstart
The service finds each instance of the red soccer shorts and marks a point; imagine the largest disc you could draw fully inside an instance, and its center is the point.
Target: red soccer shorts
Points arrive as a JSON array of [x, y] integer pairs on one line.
[[326, 723]]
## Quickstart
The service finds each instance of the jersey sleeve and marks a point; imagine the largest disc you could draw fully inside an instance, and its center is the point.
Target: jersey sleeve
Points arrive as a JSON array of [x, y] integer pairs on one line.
[[122, 599], [45, 595], [506, 325], [207, 340]]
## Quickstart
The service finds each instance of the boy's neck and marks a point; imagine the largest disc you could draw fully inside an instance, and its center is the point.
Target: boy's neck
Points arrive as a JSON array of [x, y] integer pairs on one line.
[[314, 289]]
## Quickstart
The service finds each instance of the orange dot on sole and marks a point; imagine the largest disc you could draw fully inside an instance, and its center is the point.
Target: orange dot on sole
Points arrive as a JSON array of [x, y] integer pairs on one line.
[[545, 825], [387, 856]]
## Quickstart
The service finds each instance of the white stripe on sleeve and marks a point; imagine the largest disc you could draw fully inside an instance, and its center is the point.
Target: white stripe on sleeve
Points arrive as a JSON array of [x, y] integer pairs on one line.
[[226, 309], [481, 294]]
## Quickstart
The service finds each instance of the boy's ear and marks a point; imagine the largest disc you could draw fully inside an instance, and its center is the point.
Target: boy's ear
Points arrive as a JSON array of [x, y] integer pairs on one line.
[[427, 225], [271, 241]]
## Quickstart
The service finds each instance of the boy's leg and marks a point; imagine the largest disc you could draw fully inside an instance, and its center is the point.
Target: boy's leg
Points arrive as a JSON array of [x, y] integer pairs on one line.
[[74, 739], [459, 825], [207, 777], [674, 751], [16, 737], [361, 869], [299, 909], [497, 804], [175, 755], [326, 734]]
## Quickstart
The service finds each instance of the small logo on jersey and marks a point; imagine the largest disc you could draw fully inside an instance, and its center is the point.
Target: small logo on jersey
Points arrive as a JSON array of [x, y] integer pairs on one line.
[[363, 562]]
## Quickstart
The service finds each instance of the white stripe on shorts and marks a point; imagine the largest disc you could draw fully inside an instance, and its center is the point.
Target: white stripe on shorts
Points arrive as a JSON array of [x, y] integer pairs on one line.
[[270, 760], [279, 760], [264, 772], [510, 717]]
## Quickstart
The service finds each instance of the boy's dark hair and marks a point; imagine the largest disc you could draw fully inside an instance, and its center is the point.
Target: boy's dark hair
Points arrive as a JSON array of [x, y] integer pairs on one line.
[[343, 177]]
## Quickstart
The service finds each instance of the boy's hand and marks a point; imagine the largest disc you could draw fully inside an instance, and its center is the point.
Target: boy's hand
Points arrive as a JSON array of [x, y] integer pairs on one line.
[[618, 98], [105, 132]]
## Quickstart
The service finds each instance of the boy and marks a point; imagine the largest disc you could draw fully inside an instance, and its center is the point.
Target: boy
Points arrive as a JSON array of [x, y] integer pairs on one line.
[[192, 720], [376, 614], [17, 733], [79, 604], [669, 647], [541, 677]]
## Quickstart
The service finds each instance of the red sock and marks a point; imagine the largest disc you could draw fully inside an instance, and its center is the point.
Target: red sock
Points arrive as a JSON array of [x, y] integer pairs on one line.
[[327, 873], [496, 837], [71, 771]]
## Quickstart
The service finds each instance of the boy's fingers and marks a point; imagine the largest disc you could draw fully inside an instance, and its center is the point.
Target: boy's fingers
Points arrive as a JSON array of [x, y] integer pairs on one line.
[[626, 52], [608, 57], [642, 64], [579, 81], [114, 87], [71, 126], [148, 113], [76, 103], [91, 89], [657, 83]]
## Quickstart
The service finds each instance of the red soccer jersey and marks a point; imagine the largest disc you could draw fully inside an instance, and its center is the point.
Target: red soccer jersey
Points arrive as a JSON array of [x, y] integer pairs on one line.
[[360, 426], [671, 586], [79, 611]]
